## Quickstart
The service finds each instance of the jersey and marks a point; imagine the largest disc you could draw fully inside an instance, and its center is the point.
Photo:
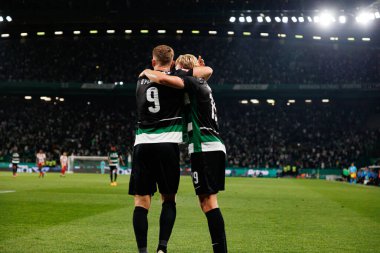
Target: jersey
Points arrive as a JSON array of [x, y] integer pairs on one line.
[[202, 126], [63, 160], [113, 158], [159, 113], [15, 158], [41, 157]]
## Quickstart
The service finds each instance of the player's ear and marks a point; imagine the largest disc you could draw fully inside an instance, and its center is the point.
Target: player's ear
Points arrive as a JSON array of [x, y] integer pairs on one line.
[[154, 63], [172, 65]]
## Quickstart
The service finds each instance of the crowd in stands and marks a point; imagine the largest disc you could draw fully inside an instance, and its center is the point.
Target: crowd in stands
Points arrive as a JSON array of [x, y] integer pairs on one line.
[[311, 136], [234, 60]]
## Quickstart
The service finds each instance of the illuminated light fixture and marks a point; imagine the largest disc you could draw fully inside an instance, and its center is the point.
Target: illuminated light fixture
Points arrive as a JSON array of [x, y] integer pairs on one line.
[[377, 14], [366, 39], [40, 33], [179, 31], [277, 19], [308, 101], [326, 18], [342, 19], [110, 31], [9, 18], [230, 33], [58, 33], [325, 100], [248, 19], [317, 37], [23, 34], [76, 32], [281, 35], [297, 36], [232, 19], [93, 31], [316, 19], [294, 19], [291, 101], [255, 101], [285, 19], [247, 33], [334, 38], [309, 19], [268, 19], [213, 32], [351, 39], [301, 19], [260, 19], [271, 101], [195, 32], [264, 34], [61, 99], [161, 31], [28, 97], [364, 17], [144, 31], [1, 19], [5, 35], [244, 102], [128, 31], [241, 19]]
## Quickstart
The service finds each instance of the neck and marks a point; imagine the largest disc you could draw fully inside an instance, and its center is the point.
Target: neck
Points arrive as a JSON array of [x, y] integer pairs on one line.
[[162, 68]]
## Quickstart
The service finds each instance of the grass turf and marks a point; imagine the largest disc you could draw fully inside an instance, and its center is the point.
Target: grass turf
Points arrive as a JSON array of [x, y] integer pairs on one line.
[[83, 213]]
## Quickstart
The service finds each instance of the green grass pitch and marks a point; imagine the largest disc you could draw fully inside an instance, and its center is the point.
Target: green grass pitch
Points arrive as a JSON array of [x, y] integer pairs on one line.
[[83, 213]]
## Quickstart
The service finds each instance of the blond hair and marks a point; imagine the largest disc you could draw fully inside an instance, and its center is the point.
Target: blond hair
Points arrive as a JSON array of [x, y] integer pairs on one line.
[[187, 61], [163, 54]]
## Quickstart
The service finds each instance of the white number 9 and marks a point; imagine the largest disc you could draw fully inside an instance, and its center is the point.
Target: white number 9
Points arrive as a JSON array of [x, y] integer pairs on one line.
[[195, 177], [152, 96]]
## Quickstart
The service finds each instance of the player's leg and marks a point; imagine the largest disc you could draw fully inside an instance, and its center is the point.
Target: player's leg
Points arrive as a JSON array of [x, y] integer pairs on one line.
[[115, 176], [111, 174], [14, 169], [167, 220], [140, 221]]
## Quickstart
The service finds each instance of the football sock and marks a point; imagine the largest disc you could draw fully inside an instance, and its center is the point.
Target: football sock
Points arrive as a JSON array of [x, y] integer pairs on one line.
[[216, 227], [115, 176], [140, 225], [167, 219], [111, 176]]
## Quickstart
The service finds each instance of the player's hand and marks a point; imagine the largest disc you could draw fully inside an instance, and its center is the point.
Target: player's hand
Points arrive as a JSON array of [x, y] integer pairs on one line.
[[201, 62], [142, 74]]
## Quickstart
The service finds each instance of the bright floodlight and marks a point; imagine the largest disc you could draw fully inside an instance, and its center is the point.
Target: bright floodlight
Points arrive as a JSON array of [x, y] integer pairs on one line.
[[285, 19], [342, 19], [232, 19], [8, 18], [316, 19], [249, 19], [377, 14], [28, 97], [244, 101], [301, 19], [255, 101], [294, 19], [326, 18], [278, 19], [268, 19], [241, 19], [1, 19], [260, 19], [364, 17], [309, 19]]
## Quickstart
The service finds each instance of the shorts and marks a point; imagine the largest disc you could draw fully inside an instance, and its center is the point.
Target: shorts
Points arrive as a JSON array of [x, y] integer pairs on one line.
[[113, 167], [155, 164], [14, 166], [40, 165], [208, 171]]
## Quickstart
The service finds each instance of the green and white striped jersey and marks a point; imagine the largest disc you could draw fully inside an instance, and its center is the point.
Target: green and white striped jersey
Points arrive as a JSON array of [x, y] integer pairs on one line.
[[15, 158], [113, 158]]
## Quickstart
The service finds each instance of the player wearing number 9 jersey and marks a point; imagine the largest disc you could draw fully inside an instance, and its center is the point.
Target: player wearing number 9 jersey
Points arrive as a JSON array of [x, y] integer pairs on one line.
[[205, 145]]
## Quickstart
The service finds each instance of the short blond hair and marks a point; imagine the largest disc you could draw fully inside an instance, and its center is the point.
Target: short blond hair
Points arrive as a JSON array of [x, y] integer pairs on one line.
[[187, 61], [163, 54]]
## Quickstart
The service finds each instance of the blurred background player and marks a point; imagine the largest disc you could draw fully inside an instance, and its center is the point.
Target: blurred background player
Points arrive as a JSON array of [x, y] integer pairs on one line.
[[63, 159], [113, 160], [40, 161], [15, 161], [353, 173]]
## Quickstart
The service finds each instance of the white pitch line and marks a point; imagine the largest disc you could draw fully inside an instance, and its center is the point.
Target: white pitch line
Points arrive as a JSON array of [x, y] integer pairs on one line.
[[6, 191]]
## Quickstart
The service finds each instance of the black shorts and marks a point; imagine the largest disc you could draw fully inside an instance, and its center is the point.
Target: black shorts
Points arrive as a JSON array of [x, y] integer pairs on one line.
[[155, 164], [113, 167], [208, 171], [14, 166]]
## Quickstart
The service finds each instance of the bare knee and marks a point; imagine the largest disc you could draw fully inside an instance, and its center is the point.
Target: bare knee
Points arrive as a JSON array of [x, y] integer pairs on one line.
[[168, 197], [208, 202], [143, 201]]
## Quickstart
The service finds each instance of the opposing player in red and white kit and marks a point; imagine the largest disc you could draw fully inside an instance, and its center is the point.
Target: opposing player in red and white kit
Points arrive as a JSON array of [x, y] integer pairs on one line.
[[41, 158], [63, 160]]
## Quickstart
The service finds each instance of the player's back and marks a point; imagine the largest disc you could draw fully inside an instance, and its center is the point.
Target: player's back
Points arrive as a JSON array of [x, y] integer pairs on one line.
[[159, 113]]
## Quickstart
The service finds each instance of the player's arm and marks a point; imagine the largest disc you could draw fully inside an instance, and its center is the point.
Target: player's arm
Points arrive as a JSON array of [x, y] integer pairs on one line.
[[202, 71], [121, 160], [164, 79]]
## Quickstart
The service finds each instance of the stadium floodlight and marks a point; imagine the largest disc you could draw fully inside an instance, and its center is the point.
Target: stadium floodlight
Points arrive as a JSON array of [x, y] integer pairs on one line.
[[232, 19], [351, 39], [308, 101], [301, 19], [248, 19], [195, 31], [121, 83], [9, 18], [230, 33], [247, 33], [285, 19], [294, 19], [260, 19], [309, 19], [58, 33], [100, 82], [179, 31], [377, 14], [366, 39], [334, 38], [76, 32], [342, 19], [88, 102], [1, 19], [28, 97], [128, 31], [144, 31], [244, 101], [291, 101], [277, 19], [281, 35], [316, 19], [271, 101], [40, 33], [325, 100], [364, 17], [326, 18], [93, 31], [62, 99], [212, 32], [288, 104], [255, 101], [298, 36], [23, 34], [268, 19], [5, 35], [110, 31], [241, 19], [317, 37], [161, 31], [264, 34]]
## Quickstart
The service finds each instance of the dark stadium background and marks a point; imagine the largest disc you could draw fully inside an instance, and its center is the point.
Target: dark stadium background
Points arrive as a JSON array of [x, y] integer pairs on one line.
[[95, 73]]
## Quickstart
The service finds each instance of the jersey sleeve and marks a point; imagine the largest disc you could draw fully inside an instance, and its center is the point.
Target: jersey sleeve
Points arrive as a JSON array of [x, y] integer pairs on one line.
[[189, 83]]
